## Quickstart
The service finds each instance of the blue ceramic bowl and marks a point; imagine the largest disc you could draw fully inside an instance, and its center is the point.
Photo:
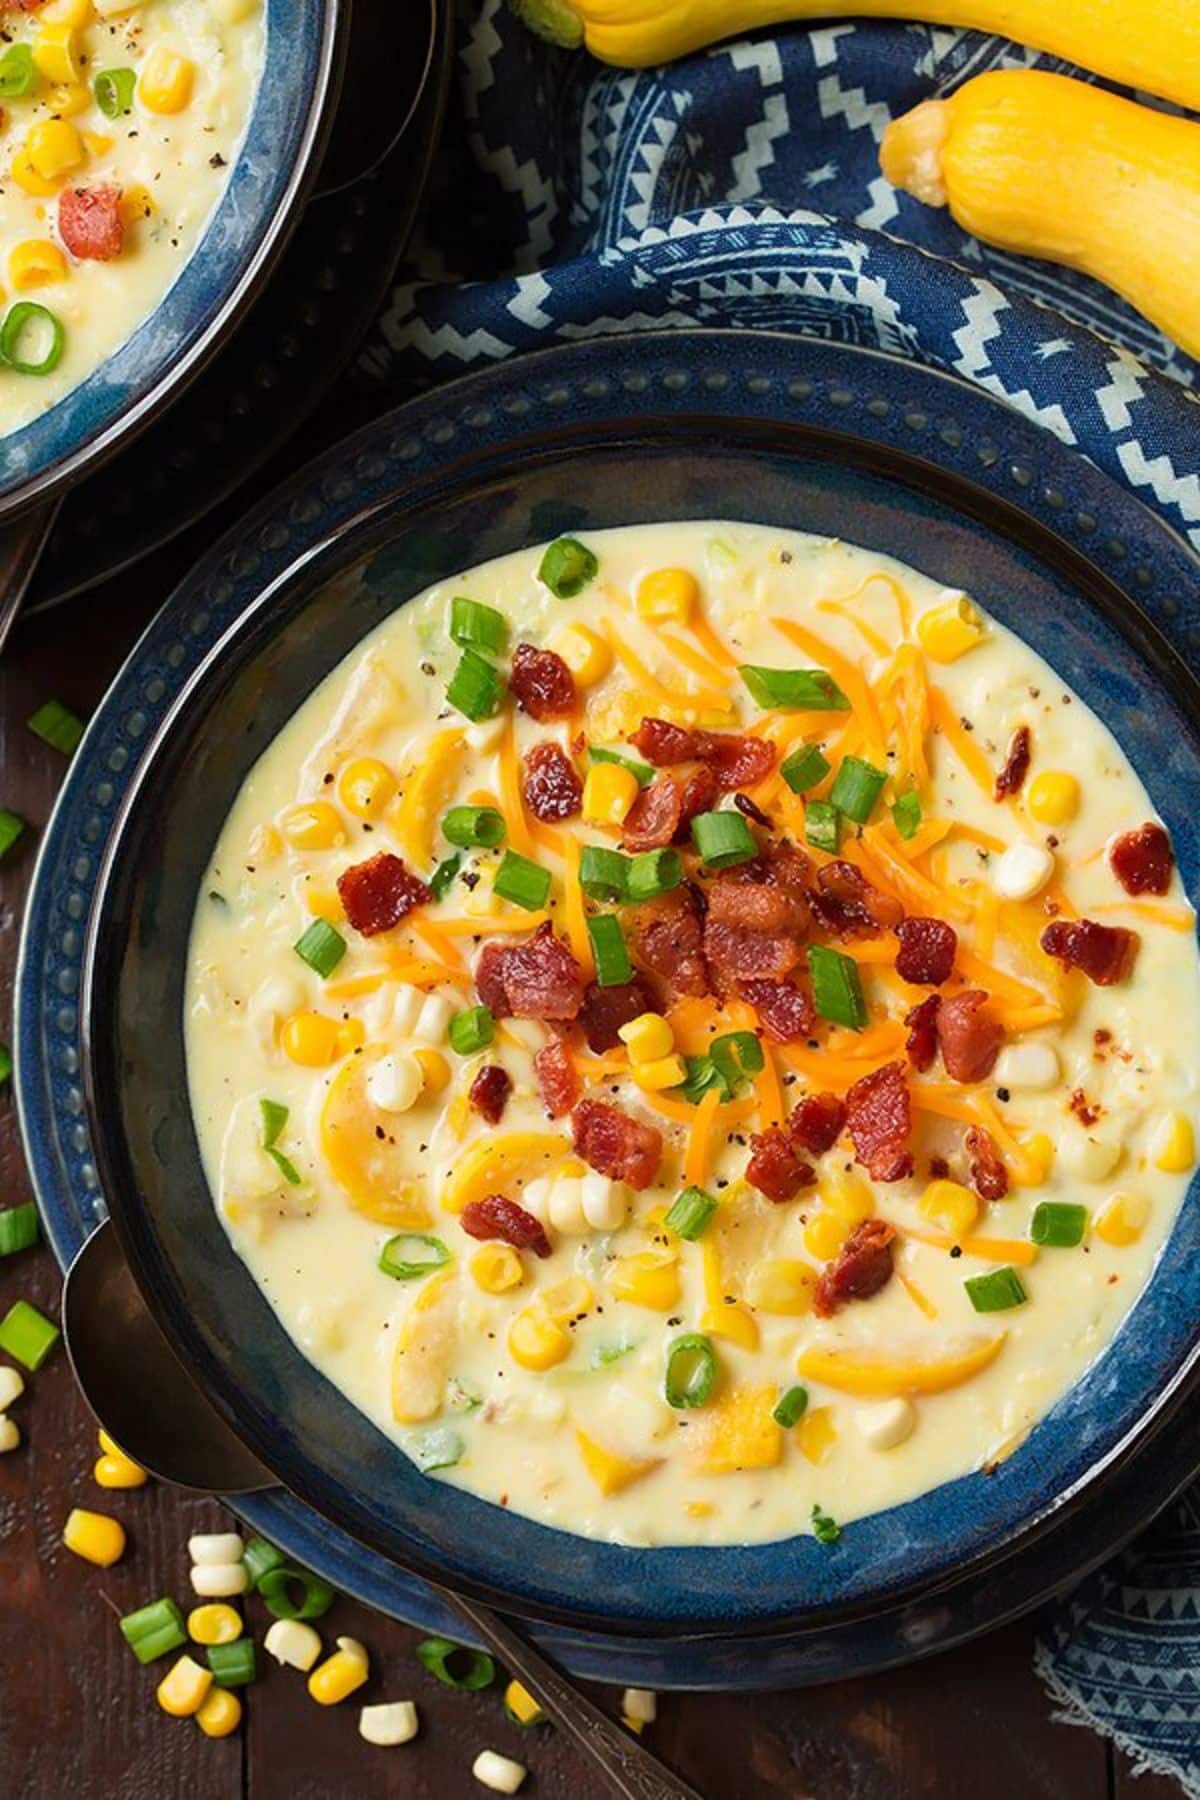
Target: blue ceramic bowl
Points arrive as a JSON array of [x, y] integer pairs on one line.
[[676, 425], [244, 235]]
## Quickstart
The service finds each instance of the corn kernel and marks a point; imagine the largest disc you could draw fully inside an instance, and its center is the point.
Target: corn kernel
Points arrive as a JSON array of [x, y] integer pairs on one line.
[[137, 203], [948, 1204], [71, 98], [94, 1536], [293, 1643], [647, 1278], [781, 1284], [310, 1039], [1039, 1153], [948, 631], [1053, 797], [97, 143], [351, 1036], [118, 1472], [585, 653], [608, 1469], [324, 903], [435, 1071], [165, 84], [608, 793], [667, 594], [568, 1298], [28, 179], [536, 1341], [36, 263], [340, 1674], [846, 1197], [265, 843], [54, 148], [315, 826], [216, 1624], [521, 1704], [184, 1688], [10, 1434], [56, 56], [365, 786], [817, 1434], [825, 1234], [1123, 1220], [497, 1268], [219, 1713], [498, 1772], [736, 1323], [1173, 1145], [655, 1077], [647, 1038]]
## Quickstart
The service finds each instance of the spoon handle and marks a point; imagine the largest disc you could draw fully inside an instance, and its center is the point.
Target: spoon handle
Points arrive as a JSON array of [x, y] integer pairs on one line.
[[631, 1770]]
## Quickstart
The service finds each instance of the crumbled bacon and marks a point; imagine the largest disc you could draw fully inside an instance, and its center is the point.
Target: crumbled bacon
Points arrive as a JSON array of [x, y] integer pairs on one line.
[[862, 1267], [557, 1077], [666, 939], [697, 794], [1105, 953], [816, 1122], [1011, 778], [489, 1092], [606, 1009], [846, 904], [615, 1145], [969, 1035], [758, 917], [498, 1217], [653, 819], [378, 893], [879, 1114], [989, 1177], [922, 1042], [785, 1011], [1142, 860], [538, 979], [89, 222], [541, 683], [776, 1167], [551, 787], [735, 761], [926, 953]]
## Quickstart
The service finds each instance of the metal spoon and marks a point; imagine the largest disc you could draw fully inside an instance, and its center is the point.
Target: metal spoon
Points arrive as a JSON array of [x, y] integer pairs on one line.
[[147, 1401]]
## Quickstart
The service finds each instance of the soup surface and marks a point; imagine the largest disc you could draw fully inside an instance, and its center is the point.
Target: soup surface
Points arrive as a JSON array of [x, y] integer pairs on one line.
[[695, 1033]]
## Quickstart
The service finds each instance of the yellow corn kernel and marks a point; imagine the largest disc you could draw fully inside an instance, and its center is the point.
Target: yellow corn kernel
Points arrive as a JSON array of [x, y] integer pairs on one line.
[[1173, 1146], [1039, 1152], [215, 1624], [36, 263], [1053, 797], [365, 786], [28, 179], [184, 1688], [647, 1038], [740, 1432], [781, 1284], [435, 1071], [825, 1234], [521, 1704], [585, 653], [56, 56], [948, 631], [66, 12], [637, 1726], [118, 1472], [568, 1298], [71, 98], [849, 1198], [108, 1444], [536, 1340], [648, 1278], [54, 148], [948, 1204], [1123, 1220], [340, 1674], [324, 903], [497, 1268], [667, 594], [310, 1039], [136, 204], [655, 1077], [817, 1434], [610, 1471], [94, 1536], [608, 793], [165, 84], [314, 826], [97, 144], [264, 843], [219, 1713], [351, 1036], [733, 1321]]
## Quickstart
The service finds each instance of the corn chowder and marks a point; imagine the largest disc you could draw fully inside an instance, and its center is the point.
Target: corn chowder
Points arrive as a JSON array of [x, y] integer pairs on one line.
[[676, 1030], [119, 123]]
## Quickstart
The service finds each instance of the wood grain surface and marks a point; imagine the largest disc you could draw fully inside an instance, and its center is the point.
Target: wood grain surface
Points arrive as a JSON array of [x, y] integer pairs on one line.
[[77, 1712]]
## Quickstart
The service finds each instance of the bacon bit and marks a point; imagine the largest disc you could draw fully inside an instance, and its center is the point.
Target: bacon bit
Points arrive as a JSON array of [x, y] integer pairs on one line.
[[785, 1011], [557, 1078], [1085, 1110], [538, 979], [498, 1217], [489, 1092], [863, 1266], [541, 683], [970, 1035], [666, 937], [698, 794], [1142, 860], [615, 1145], [926, 954], [848, 906], [89, 222], [776, 1168], [1105, 953], [551, 788], [606, 1009], [758, 916], [816, 1123], [1011, 778], [653, 819], [921, 1047], [989, 1177], [735, 761], [879, 1114], [378, 893]]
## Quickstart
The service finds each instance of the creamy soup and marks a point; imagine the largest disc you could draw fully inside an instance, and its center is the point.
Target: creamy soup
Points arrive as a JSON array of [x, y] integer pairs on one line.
[[119, 123], [659, 1081]]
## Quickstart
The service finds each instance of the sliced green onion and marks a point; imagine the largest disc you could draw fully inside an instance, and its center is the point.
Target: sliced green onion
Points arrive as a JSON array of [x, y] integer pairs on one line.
[[411, 1254], [476, 689], [723, 839], [18, 72], [471, 1030], [604, 1354], [567, 567], [285, 1165], [474, 626], [456, 1665], [691, 1212], [18, 1228], [793, 690], [460, 1398], [856, 787], [25, 316], [906, 814], [643, 771], [260, 1558], [837, 990], [275, 1588], [11, 827], [702, 1074], [57, 726], [822, 825], [274, 1118], [522, 882], [654, 872], [321, 947], [691, 1371], [442, 879], [613, 967], [1060, 1224], [554, 21], [474, 825], [153, 1630], [6, 1065], [233, 1665], [27, 1334], [603, 874], [113, 89], [791, 1407], [738, 1056], [825, 1529], [803, 769], [997, 1291], [439, 1449]]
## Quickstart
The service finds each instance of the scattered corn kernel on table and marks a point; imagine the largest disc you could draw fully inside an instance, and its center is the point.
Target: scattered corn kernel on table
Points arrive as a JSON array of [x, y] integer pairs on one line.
[[78, 1711]]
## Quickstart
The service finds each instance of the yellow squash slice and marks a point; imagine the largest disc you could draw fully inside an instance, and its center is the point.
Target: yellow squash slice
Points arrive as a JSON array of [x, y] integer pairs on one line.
[[372, 1171], [493, 1162], [424, 1348], [871, 1374]]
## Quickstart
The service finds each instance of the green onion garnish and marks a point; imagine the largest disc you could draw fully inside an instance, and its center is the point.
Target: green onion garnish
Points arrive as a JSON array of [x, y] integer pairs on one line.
[[604, 1354], [825, 1529], [27, 1334], [28, 316], [1059, 1224], [11, 827], [6, 1065], [476, 689], [613, 967], [793, 690], [691, 1371], [995, 1292], [567, 567], [477, 627], [317, 1595], [321, 947], [906, 814], [654, 872], [442, 879], [702, 1074], [522, 882], [691, 1212], [790, 1407], [456, 1665], [737, 1056], [837, 990], [856, 787], [474, 825], [57, 726], [643, 771], [411, 1254], [260, 1558], [723, 839], [18, 72], [285, 1165], [803, 769], [233, 1665], [438, 1449], [153, 1630], [274, 1118], [471, 1030], [113, 89], [822, 826], [603, 874], [18, 1228]]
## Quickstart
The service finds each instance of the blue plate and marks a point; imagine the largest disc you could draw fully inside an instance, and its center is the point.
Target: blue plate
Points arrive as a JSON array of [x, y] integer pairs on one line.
[[830, 439]]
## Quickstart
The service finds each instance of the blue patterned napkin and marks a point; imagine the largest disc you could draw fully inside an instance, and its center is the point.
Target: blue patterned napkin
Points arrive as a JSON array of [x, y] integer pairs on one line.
[[742, 187]]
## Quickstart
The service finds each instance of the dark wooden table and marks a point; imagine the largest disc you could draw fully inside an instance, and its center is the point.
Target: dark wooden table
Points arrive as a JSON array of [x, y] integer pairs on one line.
[[77, 1712]]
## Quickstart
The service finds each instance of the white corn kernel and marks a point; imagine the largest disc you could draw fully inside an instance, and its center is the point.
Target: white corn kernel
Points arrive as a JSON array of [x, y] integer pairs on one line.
[[393, 1011], [275, 1001], [535, 1197], [566, 1207], [292, 1642], [394, 1082], [640, 1704], [1022, 871], [605, 1203], [10, 1435], [486, 736], [11, 1386], [219, 1581], [1086, 1157], [216, 1547], [393, 1723], [888, 1424], [432, 1020], [1029, 1066], [500, 1773]]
